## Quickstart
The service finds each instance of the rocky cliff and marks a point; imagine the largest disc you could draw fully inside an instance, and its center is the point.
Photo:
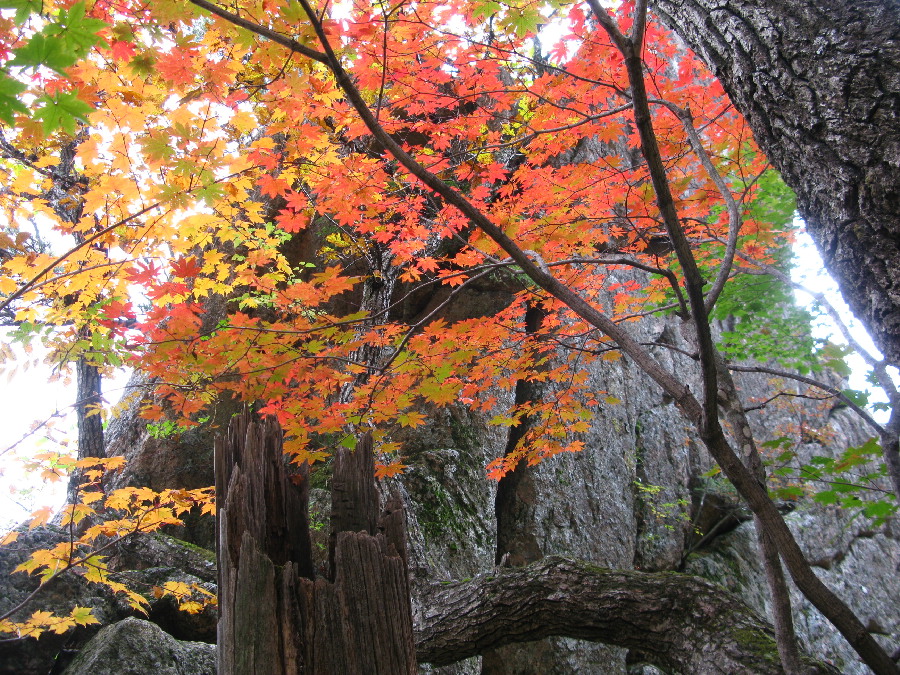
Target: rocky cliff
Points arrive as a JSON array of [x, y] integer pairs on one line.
[[640, 496]]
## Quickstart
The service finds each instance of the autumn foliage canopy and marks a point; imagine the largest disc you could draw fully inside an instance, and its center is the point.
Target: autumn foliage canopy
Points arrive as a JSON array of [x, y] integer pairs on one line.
[[219, 164], [231, 226]]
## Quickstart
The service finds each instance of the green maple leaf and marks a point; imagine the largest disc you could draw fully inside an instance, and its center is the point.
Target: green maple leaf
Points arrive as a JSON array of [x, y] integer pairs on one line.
[[83, 616], [142, 65], [9, 102], [62, 111], [77, 33], [486, 9], [24, 8], [42, 50], [157, 147], [61, 43], [524, 21]]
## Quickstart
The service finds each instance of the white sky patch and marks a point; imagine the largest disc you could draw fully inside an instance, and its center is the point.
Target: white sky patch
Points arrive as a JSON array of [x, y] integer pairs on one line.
[[33, 394], [28, 399], [809, 270]]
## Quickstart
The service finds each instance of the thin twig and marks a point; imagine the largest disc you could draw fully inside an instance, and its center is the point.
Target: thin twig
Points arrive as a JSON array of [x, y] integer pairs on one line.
[[813, 383]]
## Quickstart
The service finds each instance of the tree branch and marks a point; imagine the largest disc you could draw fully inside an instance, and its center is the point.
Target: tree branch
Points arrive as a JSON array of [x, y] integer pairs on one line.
[[734, 213], [80, 245], [262, 31], [837, 393]]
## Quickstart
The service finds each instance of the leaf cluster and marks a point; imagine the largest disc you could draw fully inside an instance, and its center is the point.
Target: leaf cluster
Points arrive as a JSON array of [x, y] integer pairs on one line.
[[60, 39], [854, 479], [97, 521]]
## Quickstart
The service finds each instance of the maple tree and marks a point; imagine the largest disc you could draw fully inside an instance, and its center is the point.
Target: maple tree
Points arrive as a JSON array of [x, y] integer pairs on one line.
[[277, 204]]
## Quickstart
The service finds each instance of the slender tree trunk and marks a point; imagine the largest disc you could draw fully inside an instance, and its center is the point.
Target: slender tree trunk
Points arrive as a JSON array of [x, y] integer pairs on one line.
[[782, 618], [87, 409], [64, 196], [514, 509], [513, 504], [275, 617], [91, 441], [819, 82]]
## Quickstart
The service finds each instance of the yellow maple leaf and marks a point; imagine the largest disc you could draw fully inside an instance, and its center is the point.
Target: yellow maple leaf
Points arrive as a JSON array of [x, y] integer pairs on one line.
[[83, 616], [40, 517]]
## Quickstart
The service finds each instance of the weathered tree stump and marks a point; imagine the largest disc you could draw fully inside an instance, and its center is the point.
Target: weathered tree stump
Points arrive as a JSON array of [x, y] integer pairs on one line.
[[274, 615]]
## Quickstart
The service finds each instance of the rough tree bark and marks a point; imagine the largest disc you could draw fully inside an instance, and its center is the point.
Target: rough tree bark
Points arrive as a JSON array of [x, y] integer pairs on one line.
[[91, 439], [87, 408], [675, 621], [819, 83], [275, 616]]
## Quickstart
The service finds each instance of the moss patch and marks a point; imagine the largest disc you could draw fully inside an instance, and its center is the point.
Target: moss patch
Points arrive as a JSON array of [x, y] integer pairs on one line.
[[758, 642], [204, 553]]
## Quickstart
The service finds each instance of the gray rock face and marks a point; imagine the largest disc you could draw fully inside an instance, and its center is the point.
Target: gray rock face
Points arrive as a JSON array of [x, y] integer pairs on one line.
[[637, 498], [180, 459], [585, 505], [136, 647], [861, 565]]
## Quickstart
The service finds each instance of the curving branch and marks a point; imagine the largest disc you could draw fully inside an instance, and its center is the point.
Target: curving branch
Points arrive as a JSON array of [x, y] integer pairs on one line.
[[675, 621]]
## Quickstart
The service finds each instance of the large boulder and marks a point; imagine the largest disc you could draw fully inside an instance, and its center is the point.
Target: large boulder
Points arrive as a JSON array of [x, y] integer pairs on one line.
[[136, 647]]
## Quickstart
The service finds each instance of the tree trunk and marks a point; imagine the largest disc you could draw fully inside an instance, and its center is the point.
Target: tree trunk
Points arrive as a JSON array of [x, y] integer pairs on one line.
[[819, 83], [514, 503], [88, 404], [275, 617], [514, 506], [87, 409]]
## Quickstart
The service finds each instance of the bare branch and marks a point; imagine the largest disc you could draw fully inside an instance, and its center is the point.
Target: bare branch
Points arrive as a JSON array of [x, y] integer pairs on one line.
[[262, 31], [837, 393]]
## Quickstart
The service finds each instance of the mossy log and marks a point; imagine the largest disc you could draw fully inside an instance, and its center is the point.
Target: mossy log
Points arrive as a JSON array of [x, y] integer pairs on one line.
[[678, 622]]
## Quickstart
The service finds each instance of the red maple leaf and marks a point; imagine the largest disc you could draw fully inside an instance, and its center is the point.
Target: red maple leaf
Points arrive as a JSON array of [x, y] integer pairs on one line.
[[493, 172], [271, 186], [143, 273], [117, 309], [177, 66], [122, 50], [292, 221], [186, 268]]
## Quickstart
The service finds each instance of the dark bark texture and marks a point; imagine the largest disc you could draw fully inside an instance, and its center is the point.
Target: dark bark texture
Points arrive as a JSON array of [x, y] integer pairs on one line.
[[819, 83], [87, 409], [275, 616], [514, 502], [681, 623]]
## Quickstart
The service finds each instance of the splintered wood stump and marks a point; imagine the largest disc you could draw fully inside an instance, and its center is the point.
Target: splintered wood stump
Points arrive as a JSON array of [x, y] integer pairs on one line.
[[274, 615]]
